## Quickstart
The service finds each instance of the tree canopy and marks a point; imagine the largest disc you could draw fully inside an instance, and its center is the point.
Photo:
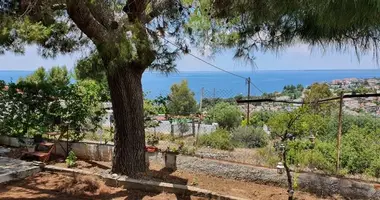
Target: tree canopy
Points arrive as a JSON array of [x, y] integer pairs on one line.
[[264, 25], [181, 100]]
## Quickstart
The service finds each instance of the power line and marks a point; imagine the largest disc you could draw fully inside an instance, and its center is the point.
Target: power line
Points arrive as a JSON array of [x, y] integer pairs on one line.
[[198, 58], [202, 60], [257, 88]]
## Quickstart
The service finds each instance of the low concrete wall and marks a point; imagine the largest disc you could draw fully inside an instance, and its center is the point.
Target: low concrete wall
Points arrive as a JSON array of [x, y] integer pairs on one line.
[[83, 150]]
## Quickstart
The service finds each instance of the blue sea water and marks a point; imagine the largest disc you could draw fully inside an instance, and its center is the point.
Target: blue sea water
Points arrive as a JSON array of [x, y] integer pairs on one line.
[[220, 84]]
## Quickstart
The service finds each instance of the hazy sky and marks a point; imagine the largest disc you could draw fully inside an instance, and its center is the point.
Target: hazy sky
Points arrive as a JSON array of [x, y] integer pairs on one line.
[[299, 57]]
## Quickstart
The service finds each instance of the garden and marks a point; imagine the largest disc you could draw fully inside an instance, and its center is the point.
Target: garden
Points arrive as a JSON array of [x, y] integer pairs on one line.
[[301, 139]]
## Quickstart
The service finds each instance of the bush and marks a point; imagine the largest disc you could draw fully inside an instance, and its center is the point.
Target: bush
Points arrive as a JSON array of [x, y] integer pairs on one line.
[[374, 169], [219, 139], [228, 116], [267, 156], [321, 156], [359, 148], [152, 139], [249, 137], [260, 118], [183, 126], [71, 159]]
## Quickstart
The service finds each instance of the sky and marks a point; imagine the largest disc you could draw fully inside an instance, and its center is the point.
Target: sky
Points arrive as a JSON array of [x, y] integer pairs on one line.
[[298, 57]]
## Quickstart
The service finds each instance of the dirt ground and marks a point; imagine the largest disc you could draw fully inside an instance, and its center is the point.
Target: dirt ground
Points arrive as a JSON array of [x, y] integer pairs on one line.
[[64, 186], [240, 155], [236, 188]]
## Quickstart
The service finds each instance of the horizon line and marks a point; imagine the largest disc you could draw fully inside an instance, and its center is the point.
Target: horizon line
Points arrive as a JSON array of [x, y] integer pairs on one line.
[[179, 71]]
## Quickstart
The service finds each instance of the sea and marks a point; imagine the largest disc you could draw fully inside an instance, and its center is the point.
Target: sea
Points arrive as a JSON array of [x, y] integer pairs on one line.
[[224, 85]]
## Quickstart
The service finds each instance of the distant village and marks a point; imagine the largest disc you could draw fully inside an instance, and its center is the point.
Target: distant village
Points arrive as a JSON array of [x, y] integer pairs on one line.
[[369, 105]]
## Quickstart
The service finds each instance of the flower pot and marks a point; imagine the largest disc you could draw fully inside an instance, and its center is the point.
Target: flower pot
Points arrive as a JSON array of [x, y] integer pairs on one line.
[[31, 149], [171, 160], [150, 151]]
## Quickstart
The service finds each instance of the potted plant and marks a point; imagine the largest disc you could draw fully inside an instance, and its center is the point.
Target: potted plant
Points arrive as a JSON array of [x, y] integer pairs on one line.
[[170, 155], [30, 146], [71, 160], [150, 151], [152, 140]]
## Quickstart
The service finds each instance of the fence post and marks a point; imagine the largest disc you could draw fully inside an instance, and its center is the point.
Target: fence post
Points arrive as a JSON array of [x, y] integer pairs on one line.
[[171, 129], [200, 102], [339, 133], [248, 97], [193, 126]]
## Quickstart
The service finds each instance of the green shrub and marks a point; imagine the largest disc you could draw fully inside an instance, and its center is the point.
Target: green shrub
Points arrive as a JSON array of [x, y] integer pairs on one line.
[[374, 169], [71, 159], [186, 150], [249, 137], [320, 156], [359, 148], [226, 115], [152, 139], [260, 118], [183, 126], [219, 139], [268, 156]]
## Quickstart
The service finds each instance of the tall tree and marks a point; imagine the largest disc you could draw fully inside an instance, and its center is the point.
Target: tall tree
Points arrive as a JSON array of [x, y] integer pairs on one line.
[[181, 99], [317, 92], [56, 76], [124, 36]]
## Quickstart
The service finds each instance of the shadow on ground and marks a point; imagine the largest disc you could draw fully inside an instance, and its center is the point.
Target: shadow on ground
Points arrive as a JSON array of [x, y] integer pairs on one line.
[[69, 186]]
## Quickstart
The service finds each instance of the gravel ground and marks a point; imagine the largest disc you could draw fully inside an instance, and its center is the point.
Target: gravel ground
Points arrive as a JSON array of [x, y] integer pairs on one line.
[[240, 155], [228, 170], [317, 184]]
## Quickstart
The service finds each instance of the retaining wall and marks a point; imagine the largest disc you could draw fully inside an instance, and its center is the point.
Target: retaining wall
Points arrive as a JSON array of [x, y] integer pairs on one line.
[[83, 150]]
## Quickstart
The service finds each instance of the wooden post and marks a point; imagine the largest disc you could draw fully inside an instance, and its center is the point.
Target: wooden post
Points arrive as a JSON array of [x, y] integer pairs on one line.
[[67, 141], [248, 97], [193, 126], [339, 133], [171, 129], [200, 102]]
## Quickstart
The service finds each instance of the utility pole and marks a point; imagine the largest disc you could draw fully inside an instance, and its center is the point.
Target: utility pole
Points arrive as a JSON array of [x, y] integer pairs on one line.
[[200, 101], [339, 133], [248, 97]]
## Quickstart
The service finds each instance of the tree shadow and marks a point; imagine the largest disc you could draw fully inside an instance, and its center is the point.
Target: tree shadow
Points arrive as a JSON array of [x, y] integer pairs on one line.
[[35, 188], [95, 164], [163, 175]]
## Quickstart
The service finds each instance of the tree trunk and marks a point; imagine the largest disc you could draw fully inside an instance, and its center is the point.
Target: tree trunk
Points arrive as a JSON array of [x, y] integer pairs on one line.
[[289, 177], [127, 104]]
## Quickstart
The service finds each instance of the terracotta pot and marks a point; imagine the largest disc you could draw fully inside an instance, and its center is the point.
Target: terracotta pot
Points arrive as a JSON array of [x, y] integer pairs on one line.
[[151, 149]]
